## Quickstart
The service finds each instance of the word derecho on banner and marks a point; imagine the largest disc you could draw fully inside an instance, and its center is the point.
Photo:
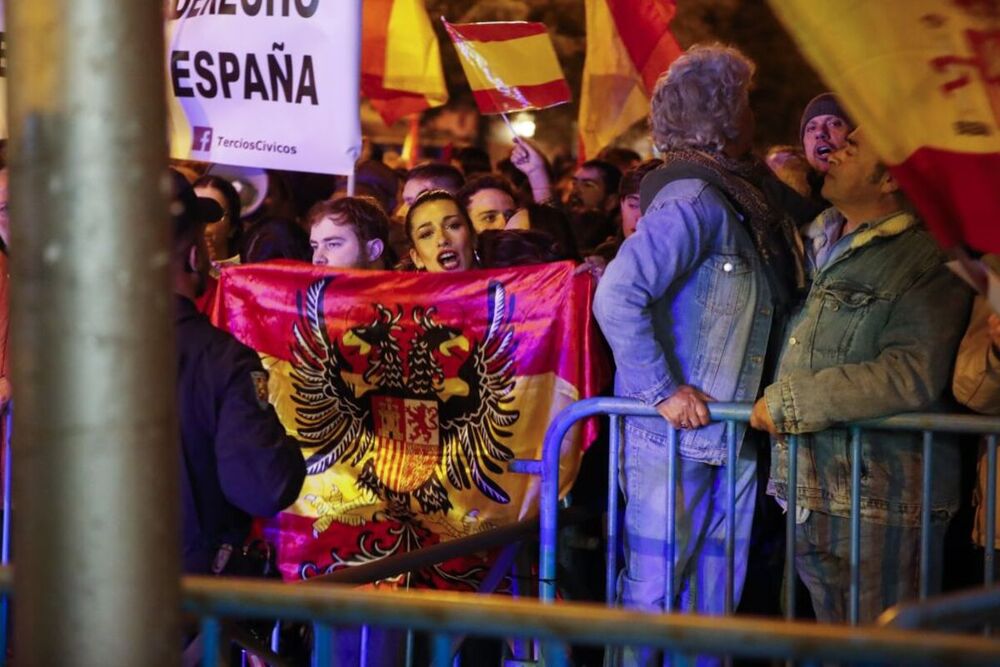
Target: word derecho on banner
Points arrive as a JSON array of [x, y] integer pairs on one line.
[[190, 8]]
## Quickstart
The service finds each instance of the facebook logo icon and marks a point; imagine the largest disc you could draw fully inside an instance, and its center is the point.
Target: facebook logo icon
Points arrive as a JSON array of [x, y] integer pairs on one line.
[[202, 139]]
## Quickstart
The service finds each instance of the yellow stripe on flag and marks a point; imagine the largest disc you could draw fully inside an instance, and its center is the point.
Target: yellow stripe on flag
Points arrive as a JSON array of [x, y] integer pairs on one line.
[[413, 57], [911, 71], [610, 82], [524, 61]]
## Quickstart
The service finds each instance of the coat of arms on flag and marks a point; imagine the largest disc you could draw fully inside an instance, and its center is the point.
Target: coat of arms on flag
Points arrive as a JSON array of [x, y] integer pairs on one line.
[[409, 423], [409, 413]]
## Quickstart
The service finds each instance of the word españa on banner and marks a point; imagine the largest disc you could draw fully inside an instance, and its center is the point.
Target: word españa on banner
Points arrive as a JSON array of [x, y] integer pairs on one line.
[[281, 76], [191, 8]]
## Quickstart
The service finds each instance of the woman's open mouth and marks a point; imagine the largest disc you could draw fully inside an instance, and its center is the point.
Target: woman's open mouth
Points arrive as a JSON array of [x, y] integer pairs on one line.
[[449, 260]]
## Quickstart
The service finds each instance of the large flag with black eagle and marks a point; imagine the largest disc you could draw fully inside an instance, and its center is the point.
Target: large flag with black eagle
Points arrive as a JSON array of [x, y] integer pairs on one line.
[[411, 393]]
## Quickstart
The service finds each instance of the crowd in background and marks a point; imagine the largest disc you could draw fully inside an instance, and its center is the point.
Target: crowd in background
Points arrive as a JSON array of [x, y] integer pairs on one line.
[[803, 283]]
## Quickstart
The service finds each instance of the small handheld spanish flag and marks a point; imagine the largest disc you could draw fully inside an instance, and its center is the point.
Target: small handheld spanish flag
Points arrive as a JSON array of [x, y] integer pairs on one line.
[[511, 66]]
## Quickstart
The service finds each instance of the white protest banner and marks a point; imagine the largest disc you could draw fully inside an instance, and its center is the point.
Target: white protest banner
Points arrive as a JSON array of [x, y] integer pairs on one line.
[[265, 83]]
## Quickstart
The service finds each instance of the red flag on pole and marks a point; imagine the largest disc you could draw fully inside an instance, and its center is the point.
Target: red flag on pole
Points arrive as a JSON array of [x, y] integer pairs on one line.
[[629, 44], [401, 69]]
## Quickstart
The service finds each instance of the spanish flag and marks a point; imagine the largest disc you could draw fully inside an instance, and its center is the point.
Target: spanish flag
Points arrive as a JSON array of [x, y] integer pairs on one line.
[[510, 66], [409, 413], [401, 70], [629, 44], [923, 78]]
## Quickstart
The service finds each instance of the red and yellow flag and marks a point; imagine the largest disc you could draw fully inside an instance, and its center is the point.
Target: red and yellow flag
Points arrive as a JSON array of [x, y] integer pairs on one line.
[[409, 413], [401, 69], [511, 66], [923, 78], [629, 44]]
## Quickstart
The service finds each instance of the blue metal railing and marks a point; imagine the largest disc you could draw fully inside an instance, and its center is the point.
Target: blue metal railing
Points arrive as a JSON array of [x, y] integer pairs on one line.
[[733, 413], [8, 422], [444, 616]]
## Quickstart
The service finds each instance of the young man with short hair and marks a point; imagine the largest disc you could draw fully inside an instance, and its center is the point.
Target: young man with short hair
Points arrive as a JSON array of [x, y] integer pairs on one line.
[[489, 200], [348, 233], [823, 130], [595, 187]]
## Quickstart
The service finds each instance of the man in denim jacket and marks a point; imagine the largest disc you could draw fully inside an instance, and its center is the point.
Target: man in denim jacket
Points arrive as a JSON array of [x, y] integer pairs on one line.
[[876, 336], [687, 307]]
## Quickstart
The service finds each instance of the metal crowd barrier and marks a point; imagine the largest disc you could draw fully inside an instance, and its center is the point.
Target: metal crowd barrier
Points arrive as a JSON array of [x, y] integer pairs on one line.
[[7, 415], [732, 413], [962, 610], [446, 615]]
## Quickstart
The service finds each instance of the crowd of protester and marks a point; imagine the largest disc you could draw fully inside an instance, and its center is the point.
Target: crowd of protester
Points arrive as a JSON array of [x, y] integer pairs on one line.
[[803, 283]]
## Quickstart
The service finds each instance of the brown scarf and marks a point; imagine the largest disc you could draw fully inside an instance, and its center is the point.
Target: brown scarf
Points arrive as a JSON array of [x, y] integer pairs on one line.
[[773, 232]]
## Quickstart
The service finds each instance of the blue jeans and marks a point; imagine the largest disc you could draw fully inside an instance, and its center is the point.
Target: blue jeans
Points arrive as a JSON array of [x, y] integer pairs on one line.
[[700, 547], [890, 565]]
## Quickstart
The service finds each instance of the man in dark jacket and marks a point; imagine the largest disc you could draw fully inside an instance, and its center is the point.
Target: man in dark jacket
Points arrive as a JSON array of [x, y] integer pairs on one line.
[[238, 461]]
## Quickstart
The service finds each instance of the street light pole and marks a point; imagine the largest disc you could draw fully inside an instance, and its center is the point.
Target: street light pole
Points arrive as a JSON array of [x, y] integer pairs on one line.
[[96, 537]]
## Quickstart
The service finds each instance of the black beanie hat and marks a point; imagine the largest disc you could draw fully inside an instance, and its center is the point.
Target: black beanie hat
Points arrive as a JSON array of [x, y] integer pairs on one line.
[[822, 105]]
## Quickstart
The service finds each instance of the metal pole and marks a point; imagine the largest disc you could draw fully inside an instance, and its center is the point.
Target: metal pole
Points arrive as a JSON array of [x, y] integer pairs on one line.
[[855, 597], [8, 425], [95, 479], [925, 516], [791, 516], [615, 437], [211, 629], [991, 509], [322, 654], [671, 550], [730, 515]]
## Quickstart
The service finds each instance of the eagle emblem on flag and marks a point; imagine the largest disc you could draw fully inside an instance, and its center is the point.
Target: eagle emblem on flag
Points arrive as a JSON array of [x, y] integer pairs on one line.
[[411, 402]]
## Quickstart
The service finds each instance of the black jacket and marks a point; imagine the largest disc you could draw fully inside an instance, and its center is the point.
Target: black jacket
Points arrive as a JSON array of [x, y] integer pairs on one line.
[[237, 462]]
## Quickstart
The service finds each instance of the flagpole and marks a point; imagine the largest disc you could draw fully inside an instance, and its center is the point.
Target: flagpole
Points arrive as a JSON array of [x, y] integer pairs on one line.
[[510, 126]]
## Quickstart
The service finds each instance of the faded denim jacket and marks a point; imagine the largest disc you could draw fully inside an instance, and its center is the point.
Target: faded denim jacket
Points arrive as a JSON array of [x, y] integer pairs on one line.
[[876, 336], [686, 301]]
